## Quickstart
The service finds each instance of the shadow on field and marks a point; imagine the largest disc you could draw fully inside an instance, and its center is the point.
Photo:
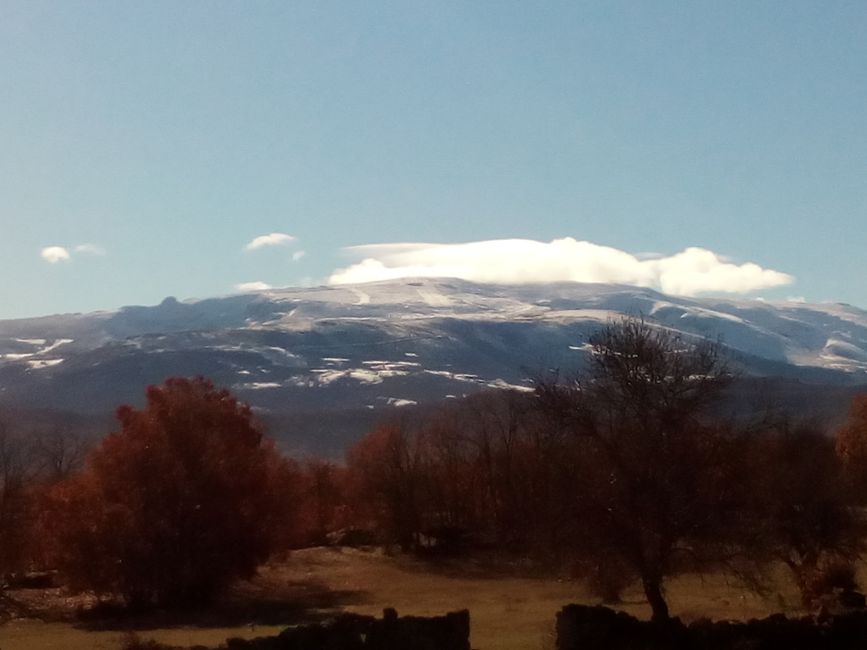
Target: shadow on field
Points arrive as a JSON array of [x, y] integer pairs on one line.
[[481, 566], [259, 603]]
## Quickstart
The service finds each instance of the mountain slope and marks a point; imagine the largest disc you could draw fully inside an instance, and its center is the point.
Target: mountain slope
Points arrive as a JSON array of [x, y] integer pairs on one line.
[[352, 351]]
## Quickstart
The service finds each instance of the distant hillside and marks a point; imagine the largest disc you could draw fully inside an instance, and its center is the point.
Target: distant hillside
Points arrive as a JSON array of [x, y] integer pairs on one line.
[[321, 364]]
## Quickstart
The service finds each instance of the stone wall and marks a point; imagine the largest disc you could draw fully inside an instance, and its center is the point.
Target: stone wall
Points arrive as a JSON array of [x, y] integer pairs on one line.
[[599, 628], [356, 632]]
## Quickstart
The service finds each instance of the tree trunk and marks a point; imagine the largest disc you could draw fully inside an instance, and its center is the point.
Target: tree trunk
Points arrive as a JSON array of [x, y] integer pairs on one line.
[[653, 592]]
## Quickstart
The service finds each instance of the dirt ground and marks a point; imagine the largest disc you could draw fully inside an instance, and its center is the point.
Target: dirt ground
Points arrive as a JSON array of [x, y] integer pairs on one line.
[[507, 612]]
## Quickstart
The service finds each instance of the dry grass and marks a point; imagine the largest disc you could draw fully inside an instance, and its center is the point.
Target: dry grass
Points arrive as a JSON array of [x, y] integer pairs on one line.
[[507, 612]]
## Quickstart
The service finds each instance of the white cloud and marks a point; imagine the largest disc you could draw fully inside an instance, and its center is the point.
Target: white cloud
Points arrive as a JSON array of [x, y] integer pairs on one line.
[[297, 255], [271, 239], [690, 272], [55, 254], [90, 249], [252, 286]]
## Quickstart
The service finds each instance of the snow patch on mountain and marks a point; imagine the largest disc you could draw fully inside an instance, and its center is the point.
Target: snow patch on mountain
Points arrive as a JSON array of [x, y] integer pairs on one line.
[[38, 364], [398, 401], [353, 346]]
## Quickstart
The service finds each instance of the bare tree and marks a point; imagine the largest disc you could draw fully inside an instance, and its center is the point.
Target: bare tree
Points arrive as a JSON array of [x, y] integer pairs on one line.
[[652, 474], [17, 470], [60, 452]]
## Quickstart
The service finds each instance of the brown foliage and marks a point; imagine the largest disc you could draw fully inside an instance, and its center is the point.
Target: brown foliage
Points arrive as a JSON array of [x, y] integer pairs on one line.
[[322, 502], [480, 470], [833, 574], [801, 513], [186, 497], [386, 471], [29, 461], [852, 448]]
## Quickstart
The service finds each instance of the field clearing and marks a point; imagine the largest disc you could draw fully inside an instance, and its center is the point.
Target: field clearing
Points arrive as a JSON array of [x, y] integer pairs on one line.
[[507, 612]]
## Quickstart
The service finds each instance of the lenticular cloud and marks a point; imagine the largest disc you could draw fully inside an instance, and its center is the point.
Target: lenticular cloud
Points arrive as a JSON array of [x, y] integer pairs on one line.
[[518, 261]]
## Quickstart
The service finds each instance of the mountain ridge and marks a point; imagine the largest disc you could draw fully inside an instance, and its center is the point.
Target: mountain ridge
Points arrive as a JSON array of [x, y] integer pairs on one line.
[[369, 349]]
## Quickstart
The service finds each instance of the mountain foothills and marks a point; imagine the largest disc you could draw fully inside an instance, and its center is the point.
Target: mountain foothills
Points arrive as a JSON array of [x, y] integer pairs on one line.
[[320, 365]]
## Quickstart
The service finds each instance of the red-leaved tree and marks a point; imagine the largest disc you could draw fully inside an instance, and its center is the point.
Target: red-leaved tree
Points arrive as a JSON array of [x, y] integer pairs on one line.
[[185, 498]]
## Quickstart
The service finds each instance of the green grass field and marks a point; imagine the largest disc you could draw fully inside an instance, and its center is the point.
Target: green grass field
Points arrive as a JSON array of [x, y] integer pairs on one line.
[[507, 612]]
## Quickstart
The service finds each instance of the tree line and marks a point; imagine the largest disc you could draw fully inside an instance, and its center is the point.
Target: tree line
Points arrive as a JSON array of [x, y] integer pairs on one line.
[[621, 472]]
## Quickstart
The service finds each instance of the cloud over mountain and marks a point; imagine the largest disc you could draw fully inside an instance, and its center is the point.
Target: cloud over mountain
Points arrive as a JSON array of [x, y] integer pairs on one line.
[[689, 272], [256, 285]]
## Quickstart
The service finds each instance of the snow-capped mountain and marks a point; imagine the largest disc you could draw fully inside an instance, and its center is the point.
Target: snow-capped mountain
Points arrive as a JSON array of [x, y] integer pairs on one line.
[[359, 349]]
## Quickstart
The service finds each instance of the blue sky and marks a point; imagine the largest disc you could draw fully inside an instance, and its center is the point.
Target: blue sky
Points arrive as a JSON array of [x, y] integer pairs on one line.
[[161, 138]]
